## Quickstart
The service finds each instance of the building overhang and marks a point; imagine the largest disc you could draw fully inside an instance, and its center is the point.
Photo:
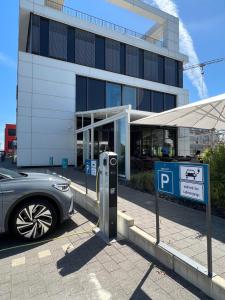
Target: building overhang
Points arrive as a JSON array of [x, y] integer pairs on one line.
[[100, 117]]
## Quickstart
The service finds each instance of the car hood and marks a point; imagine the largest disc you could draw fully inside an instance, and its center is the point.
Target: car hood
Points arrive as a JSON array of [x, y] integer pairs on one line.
[[45, 176]]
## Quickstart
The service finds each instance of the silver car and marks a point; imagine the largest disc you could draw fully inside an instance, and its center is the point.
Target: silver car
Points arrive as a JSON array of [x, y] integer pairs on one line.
[[32, 204]]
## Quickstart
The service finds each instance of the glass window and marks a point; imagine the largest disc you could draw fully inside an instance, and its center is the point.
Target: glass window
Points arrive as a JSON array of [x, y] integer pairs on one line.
[[144, 99], [57, 40], [11, 132], [129, 96], [150, 66], [112, 56], [99, 52], [71, 44], [141, 63], [85, 48], [44, 37], [113, 94], [170, 71], [81, 93], [122, 58], [180, 74], [170, 137], [96, 94], [161, 69], [35, 35], [132, 61], [169, 101], [157, 102]]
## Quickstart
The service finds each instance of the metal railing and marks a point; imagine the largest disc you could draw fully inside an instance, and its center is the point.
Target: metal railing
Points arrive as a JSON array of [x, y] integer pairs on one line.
[[100, 22]]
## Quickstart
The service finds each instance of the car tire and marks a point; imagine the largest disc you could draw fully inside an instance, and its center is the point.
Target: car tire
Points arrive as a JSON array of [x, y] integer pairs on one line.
[[33, 219]]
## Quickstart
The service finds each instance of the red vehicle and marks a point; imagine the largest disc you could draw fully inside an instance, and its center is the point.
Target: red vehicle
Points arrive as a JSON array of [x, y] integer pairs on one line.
[[10, 136]]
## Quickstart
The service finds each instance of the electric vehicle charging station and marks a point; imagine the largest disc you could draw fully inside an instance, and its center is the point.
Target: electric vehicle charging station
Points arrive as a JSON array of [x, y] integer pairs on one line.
[[108, 179]]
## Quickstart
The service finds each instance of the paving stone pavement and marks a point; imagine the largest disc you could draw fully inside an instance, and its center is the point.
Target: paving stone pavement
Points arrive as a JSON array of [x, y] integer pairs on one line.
[[82, 266], [181, 227]]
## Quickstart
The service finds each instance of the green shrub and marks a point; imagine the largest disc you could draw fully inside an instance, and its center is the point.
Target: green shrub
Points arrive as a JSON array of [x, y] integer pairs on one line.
[[143, 181], [216, 159]]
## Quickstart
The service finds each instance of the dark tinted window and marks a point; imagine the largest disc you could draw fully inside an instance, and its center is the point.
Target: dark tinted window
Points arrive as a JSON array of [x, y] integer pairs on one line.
[[169, 101], [129, 96], [113, 94], [170, 71], [57, 40], [161, 69], [85, 48], [143, 99], [112, 56], [122, 58], [151, 66], [11, 132], [99, 52], [71, 44], [180, 74], [157, 102], [44, 37], [35, 34], [96, 94], [141, 63], [81, 93], [132, 61]]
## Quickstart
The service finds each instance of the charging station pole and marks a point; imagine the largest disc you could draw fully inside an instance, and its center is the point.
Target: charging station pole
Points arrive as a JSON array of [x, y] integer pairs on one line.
[[108, 194]]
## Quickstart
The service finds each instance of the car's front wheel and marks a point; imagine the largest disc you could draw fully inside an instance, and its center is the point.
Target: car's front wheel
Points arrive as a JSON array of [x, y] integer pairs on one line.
[[33, 219]]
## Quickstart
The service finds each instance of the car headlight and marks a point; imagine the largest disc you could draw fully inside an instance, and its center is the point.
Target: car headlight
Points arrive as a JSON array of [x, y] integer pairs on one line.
[[63, 187]]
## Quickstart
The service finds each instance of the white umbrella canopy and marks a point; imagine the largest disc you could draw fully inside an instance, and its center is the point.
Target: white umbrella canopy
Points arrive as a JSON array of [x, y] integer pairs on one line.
[[205, 114]]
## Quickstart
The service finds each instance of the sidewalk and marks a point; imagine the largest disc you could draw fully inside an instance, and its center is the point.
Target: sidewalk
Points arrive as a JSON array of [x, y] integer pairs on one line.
[[181, 227], [83, 267]]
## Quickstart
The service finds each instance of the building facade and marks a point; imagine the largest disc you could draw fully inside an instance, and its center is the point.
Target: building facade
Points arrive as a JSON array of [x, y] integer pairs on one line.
[[83, 80], [10, 137]]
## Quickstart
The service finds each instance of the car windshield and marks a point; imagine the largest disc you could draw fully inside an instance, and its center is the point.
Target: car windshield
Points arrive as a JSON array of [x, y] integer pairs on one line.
[[10, 173]]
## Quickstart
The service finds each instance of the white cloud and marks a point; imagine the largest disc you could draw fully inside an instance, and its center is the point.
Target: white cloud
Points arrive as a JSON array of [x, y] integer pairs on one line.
[[7, 61], [186, 47]]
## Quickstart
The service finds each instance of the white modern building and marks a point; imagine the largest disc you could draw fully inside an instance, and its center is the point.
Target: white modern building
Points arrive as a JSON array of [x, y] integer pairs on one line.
[[82, 81]]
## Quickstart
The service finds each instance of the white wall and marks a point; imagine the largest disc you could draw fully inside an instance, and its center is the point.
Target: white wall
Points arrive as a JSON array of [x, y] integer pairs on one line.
[[45, 112]]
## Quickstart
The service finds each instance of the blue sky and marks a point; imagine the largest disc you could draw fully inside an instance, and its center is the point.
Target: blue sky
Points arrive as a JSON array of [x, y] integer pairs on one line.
[[204, 19]]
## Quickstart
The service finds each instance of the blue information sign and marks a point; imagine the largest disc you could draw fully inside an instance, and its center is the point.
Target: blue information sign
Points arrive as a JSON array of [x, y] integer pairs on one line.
[[91, 167], [183, 180], [64, 163]]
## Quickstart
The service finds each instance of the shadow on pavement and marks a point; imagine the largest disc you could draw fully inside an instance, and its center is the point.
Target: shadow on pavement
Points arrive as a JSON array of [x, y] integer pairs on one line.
[[75, 260]]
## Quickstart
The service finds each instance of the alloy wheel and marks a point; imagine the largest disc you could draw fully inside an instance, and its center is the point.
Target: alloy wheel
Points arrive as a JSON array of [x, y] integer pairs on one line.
[[34, 221]]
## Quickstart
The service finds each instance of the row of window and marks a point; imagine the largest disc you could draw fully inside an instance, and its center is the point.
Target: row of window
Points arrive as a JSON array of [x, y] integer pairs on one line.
[[53, 39], [94, 94]]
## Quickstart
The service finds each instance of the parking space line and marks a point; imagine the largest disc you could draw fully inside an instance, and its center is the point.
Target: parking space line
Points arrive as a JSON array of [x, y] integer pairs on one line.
[[18, 261], [44, 253], [67, 247]]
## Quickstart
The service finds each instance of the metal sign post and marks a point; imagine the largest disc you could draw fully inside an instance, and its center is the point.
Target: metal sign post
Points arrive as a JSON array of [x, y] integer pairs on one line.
[[185, 180], [157, 217], [209, 229]]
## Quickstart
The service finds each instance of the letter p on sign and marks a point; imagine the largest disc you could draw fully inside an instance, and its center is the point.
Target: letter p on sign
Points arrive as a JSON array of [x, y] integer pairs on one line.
[[164, 180]]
